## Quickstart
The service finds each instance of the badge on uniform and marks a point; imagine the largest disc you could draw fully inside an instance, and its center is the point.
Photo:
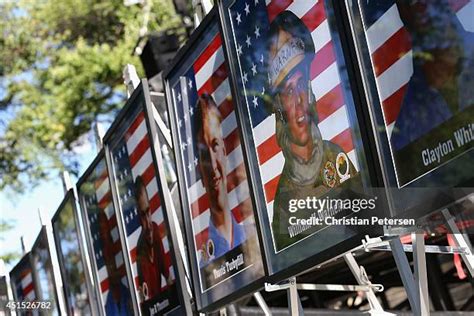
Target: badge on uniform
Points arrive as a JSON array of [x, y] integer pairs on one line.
[[329, 174], [342, 167], [210, 248]]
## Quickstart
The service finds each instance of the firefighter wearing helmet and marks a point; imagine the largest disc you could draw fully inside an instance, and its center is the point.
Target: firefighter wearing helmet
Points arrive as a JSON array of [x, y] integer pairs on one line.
[[311, 167]]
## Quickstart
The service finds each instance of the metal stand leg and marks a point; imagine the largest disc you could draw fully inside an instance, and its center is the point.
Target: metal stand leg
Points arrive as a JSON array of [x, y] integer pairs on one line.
[[261, 302], [364, 284], [362, 279], [294, 302], [461, 241], [419, 258], [406, 274]]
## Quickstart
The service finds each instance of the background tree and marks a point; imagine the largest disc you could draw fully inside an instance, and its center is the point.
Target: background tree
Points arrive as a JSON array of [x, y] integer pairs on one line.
[[61, 69], [4, 227]]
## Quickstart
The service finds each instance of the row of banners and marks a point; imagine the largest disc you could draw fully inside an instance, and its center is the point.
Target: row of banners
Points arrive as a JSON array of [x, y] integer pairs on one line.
[[270, 103]]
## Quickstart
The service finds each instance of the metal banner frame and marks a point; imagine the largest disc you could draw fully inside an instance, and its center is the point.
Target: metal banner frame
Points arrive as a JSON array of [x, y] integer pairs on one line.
[[278, 264], [142, 92], [213, 299], [89, 240], [218, 296], [402, 201], [15, 277], [172, 220], [46, 235], [8, 288], [70, 197]]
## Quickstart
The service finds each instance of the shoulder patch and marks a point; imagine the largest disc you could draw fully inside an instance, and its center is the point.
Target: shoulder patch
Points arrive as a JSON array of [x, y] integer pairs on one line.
[[329, 174], [342, 166]]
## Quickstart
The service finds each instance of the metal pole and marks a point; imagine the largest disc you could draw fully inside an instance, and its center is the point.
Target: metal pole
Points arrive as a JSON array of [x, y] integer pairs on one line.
[[130, 78], [406, 274], [201, 8], [9, 294], [42, 217], [261, 302], [461, 241], [58, 281], [131, 81], [169, 206], [67, 184], [419, 258], [98, 135], [362, 279], [294, 303], [163, 128], [441, 298], [23, 244]]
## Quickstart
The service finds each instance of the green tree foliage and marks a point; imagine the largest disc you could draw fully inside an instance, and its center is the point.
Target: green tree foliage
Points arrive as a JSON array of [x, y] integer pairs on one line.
[[4, 227], [61, 68]]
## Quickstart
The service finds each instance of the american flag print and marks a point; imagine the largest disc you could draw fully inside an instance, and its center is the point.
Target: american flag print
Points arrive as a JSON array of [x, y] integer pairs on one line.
[[131, 157], [24, 283], [393, 49], [25, 287], [250, 21], [209, 75], [102, 224]]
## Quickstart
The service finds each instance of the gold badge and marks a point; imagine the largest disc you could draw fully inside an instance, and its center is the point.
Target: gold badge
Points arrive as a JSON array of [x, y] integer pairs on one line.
[[342, 167], [329, 174]]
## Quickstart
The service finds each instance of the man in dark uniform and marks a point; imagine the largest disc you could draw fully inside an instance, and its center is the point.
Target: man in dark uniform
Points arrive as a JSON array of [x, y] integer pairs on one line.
[[313, 166]]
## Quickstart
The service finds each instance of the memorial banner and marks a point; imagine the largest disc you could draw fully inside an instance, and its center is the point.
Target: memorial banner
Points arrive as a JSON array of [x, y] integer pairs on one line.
[[22, 280], [303, 135], [42, 263], [104, 241], [140, 202], [5, 294], [215, 192], [422, 57], [71, 256]]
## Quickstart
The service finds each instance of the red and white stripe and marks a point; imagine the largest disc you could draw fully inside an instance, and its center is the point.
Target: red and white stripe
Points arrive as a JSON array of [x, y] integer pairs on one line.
[[392, 57], [211, 76], [104, 201], [391, 54], [141, 161], [27, 285], [334, 122]]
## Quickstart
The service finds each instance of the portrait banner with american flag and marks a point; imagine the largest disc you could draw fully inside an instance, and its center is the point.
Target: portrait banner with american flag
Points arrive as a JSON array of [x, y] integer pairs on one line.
[[422, 58], [217, 207], [71, 256], [104, 241], [297, 109], [137, 187], [23, 282], [42, 262]]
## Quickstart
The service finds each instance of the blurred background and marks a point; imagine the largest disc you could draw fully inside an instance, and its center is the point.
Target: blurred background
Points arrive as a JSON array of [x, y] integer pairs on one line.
[[61, 69]]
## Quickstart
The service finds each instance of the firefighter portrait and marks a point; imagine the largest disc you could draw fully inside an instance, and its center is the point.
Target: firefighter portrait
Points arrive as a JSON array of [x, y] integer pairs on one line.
[[312, 165]]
